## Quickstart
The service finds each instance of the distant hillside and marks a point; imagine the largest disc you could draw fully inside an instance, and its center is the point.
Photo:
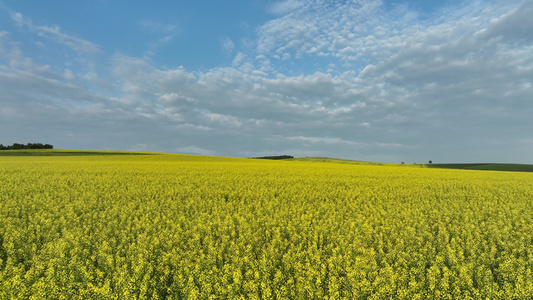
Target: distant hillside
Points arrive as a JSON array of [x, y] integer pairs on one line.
[[460, 166], [49, 152], [486, 167], [352, 162], [466, 166]]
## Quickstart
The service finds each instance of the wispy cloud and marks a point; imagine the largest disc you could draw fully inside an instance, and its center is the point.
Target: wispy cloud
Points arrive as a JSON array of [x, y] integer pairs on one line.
[[282, 7], [227, 45], [158, 27], [164, 34], [54, 33]]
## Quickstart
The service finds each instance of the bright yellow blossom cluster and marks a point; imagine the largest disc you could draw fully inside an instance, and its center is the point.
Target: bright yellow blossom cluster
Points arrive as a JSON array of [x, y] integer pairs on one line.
[[191, 227]]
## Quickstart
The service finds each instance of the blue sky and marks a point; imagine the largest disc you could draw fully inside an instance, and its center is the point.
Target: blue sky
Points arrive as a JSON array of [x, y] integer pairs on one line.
[[392, 81]]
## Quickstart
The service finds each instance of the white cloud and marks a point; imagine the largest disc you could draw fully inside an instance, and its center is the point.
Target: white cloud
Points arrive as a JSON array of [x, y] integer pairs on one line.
[[515, 25], [323, 28]]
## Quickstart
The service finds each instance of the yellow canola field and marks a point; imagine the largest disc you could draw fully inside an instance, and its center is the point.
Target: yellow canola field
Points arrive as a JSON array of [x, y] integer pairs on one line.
[[192, 227]]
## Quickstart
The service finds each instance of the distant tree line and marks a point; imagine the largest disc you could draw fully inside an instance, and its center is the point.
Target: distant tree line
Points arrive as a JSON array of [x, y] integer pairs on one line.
[[275, 157], [17, 146]]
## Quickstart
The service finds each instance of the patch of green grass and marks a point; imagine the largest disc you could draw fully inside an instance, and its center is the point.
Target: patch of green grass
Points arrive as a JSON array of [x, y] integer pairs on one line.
[[486, 167], [59, 152]]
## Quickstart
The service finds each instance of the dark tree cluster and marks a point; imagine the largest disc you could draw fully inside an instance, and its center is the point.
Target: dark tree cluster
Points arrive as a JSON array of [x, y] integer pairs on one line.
[[17, 146], [275, 157]]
